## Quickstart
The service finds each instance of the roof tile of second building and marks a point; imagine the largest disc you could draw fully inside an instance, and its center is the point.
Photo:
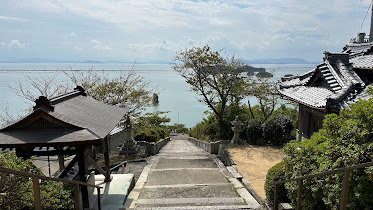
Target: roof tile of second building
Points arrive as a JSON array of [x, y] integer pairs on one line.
[[311, 96], [362, 62], [86, 112]]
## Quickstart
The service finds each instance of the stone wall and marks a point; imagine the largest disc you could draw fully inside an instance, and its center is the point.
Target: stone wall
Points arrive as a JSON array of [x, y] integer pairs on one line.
[[210, 147], [119, 138], [152, 148]]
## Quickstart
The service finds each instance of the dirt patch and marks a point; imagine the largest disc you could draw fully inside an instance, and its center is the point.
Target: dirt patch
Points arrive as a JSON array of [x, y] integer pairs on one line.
[[253, 163]]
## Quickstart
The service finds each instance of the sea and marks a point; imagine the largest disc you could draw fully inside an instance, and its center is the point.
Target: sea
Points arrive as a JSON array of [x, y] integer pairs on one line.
[[175, 97]]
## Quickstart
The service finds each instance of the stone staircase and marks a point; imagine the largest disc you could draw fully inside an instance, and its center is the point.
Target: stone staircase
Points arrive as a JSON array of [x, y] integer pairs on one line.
[[183, 176]]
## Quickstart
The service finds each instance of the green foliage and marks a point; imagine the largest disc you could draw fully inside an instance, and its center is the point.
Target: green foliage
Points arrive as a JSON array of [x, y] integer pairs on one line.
[[253, 128], [151, 127], [216, 79], [345, 140], [126, 90], [276, 174], [16, 191], [178, 128], [277, 130], [265, 92], [254, 132], [205, 130]]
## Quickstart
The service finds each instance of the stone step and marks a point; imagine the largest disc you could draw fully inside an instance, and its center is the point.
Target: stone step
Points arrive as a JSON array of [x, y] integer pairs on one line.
[[182, 202], [197, 207], [185, 176], [188, 191]]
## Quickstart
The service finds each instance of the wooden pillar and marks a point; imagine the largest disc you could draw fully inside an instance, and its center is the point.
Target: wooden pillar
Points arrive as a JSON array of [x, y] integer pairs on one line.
[[344, 193], [300, 121], [61, 162], [82, 176], [107, 160]]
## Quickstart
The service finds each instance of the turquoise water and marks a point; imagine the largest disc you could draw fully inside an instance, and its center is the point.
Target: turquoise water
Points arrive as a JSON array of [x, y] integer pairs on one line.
[[174, 93]]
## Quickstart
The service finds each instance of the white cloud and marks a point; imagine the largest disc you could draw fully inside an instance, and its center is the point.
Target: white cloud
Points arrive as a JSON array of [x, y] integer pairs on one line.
[[73, 35], [249, 28], [13, 19], [76, 48], [99, 45], [16, 44]]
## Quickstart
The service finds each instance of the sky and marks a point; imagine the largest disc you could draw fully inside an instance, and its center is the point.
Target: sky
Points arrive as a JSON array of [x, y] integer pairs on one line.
[[154, 30]]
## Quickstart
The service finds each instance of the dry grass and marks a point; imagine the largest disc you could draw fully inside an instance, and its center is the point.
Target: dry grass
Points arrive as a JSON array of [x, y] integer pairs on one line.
[[253, 163]]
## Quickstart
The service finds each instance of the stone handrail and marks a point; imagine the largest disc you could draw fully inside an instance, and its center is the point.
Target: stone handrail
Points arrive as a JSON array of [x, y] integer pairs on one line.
[[153, 148], [210, 147]]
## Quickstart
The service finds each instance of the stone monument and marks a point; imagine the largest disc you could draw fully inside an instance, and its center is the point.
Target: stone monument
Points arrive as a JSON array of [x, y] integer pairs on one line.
[[129, 146], [237, 128]]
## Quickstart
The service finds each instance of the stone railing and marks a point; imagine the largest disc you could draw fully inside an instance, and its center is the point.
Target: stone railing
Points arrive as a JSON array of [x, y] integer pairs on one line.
[[152, 148], [210, 147]]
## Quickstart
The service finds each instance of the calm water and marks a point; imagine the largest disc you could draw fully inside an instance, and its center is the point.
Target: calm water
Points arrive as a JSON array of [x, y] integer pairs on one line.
[[174, 93]]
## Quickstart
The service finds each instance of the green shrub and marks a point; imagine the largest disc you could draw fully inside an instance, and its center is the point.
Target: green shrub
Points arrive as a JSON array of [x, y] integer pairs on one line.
[[178, 128], [277, 130], [152, 127], [254, 131], [275, 174], [345, 140], [16, 191]]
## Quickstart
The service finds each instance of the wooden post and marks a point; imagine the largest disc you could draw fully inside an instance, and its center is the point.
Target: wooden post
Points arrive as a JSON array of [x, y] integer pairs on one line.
[[61, 162], [300, 125], [275, 202], [77, 203], [36, 188], [299, 199], [98, 199], [82, 178], [344, 193], [107, 160]]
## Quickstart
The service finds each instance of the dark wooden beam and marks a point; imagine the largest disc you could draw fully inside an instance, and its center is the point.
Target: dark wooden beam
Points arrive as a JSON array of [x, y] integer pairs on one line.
[[53, 152], [82, 177], [68, 167], [61, 162], [107, 160]]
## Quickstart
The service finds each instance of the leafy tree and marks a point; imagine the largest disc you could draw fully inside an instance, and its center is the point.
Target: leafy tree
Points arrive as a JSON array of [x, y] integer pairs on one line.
[[178, 128], [216, 79], [16, 191], [345, 140], [152, 127], [265, 92], [126, 90]]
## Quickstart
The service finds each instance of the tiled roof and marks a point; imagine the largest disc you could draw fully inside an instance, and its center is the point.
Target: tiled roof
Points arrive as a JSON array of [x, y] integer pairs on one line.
[[86, 112], [362, 62], [332, 84], [46, 136], [358, 49], [311, 96], [91, 119]]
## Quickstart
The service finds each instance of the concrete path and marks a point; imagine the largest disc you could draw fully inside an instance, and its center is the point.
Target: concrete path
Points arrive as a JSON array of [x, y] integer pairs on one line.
[[183, 176]]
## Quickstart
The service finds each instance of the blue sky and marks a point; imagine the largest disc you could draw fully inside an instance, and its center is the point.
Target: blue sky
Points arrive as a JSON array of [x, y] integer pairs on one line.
[[152, 31]]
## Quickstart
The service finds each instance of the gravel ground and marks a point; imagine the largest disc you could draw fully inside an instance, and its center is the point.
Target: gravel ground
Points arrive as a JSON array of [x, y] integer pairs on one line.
[[253, 163], [135, 168]]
